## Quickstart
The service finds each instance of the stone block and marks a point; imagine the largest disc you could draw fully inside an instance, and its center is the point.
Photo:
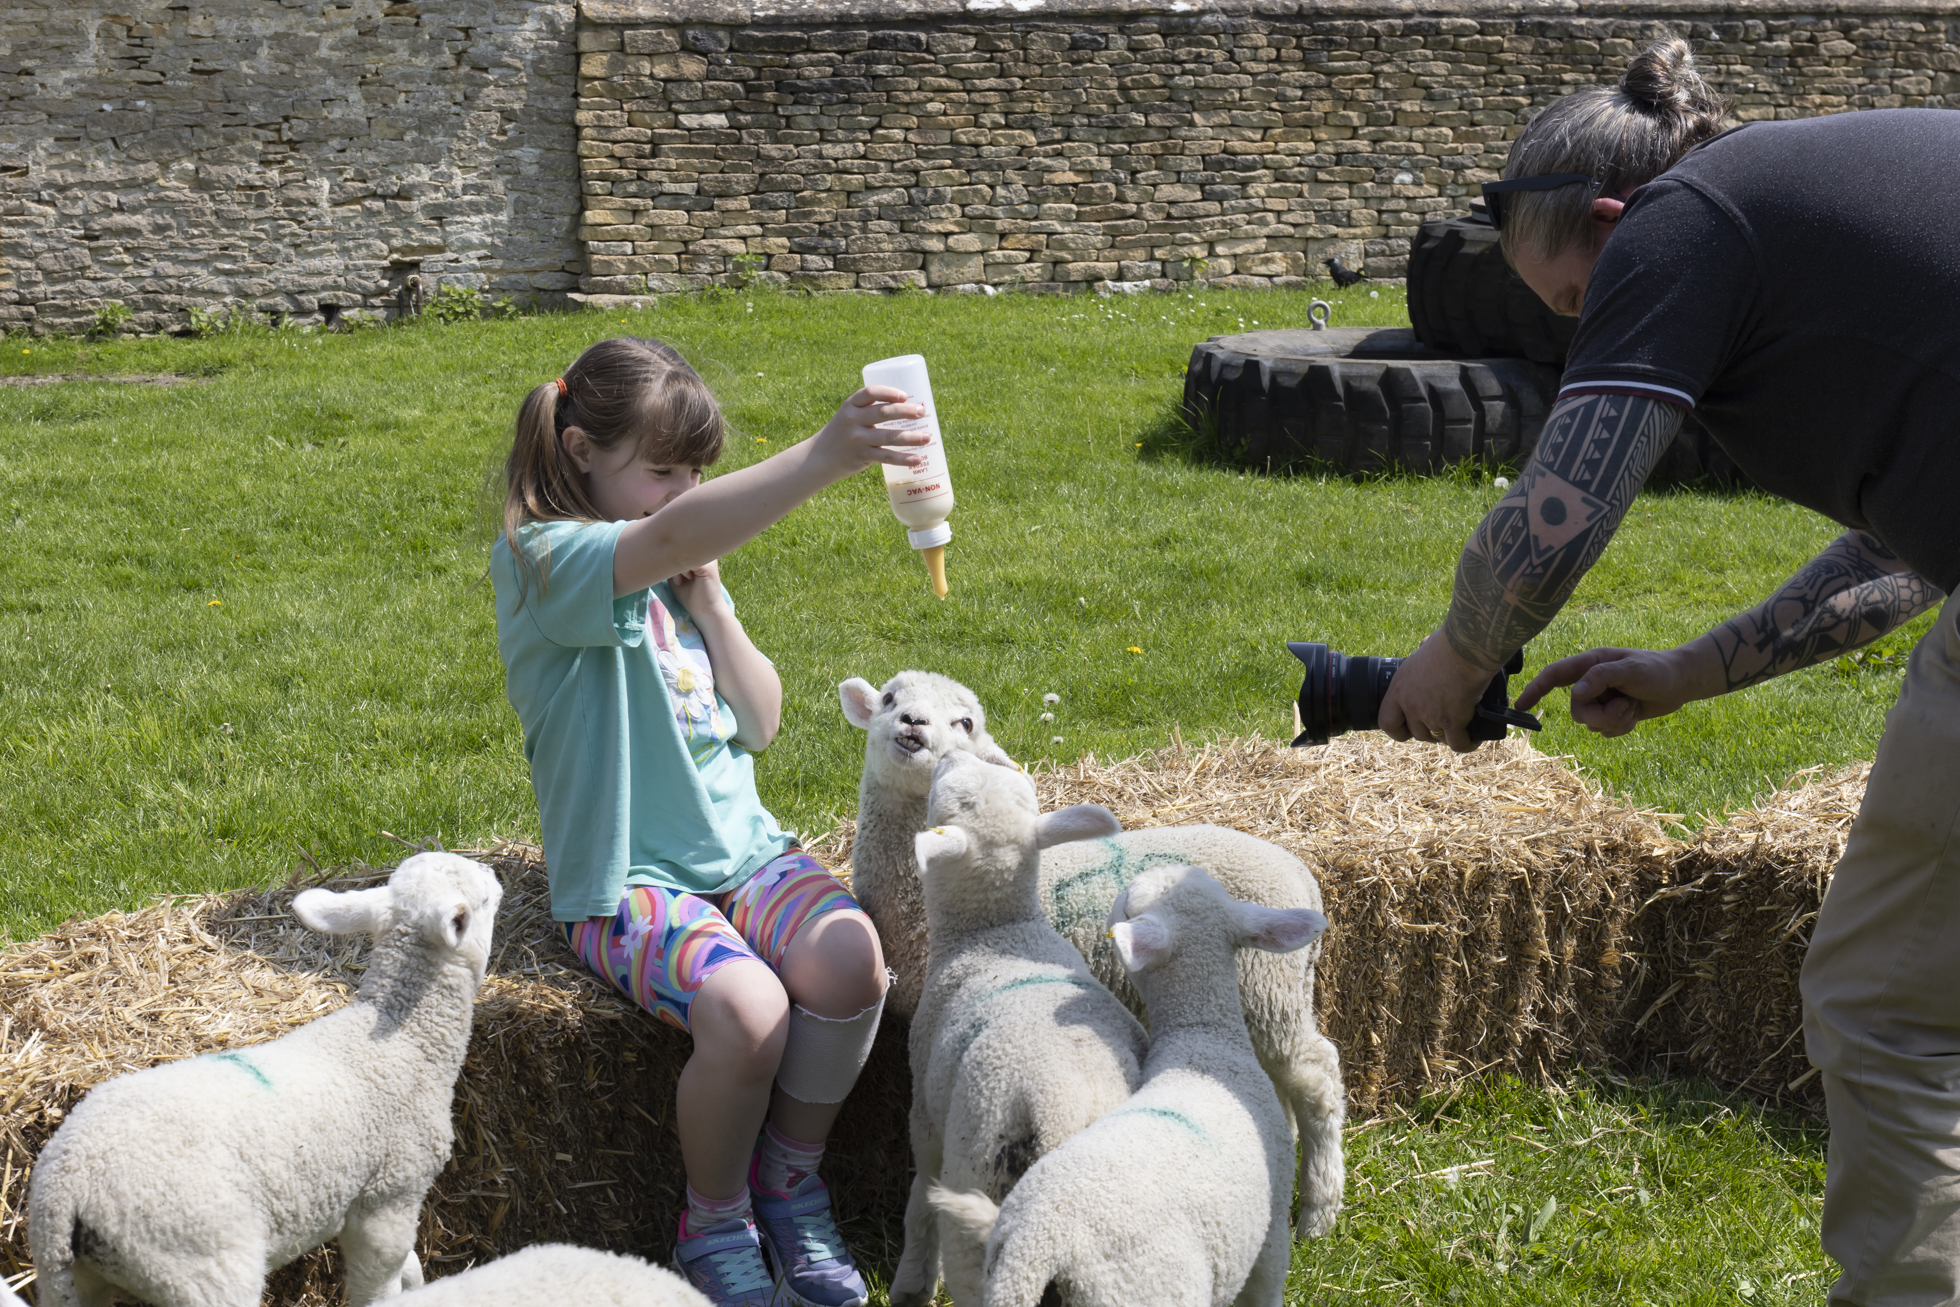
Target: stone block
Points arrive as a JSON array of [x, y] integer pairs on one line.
[[954, 266], [652, 40]]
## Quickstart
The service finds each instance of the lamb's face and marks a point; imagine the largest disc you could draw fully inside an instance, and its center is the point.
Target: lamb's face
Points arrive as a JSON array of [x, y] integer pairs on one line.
[[915, 720]]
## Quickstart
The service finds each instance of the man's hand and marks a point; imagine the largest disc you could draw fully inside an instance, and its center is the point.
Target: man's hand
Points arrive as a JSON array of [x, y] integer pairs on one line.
[[1614, 690], [1433, 696]]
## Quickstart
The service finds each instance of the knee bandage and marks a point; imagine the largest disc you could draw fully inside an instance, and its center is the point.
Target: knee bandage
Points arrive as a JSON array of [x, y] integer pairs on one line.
[[823, 1056]]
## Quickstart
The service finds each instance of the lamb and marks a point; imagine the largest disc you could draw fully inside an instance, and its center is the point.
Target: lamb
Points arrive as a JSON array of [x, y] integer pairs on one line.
[[918, 718], [1014, 1046], [1179, 1196], [557, 1274], [184, 1185]]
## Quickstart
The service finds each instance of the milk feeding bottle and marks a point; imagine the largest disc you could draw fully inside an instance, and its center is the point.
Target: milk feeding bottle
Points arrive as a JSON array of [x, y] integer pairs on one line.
[[920, 498]]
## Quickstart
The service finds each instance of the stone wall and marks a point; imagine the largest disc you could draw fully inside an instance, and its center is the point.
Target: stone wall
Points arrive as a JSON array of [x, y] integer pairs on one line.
[[281, 155], [295, 155], [1046, 144]]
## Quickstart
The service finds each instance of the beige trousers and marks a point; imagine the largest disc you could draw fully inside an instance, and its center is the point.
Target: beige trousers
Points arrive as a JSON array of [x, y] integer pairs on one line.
[[1881, 990]]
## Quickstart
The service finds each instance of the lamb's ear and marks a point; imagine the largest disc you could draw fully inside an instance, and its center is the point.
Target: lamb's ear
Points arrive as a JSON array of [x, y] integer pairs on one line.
[[335, 913], [1277, 930], [860, 700], [1084, 821], [1141, 942], [936, 847], [451, 923]]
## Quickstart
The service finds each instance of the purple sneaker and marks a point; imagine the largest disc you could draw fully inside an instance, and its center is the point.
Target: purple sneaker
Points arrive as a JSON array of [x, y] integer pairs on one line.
[[800, 1237], [724, 1262]]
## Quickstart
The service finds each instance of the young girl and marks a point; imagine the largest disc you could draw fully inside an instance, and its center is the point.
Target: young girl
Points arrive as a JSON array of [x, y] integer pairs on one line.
[[642, 701]]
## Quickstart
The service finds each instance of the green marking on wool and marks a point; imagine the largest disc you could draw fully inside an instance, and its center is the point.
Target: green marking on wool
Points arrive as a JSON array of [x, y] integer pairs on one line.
[[240, 1061], [1086, 895], [973, 1028], [1166, 1114]]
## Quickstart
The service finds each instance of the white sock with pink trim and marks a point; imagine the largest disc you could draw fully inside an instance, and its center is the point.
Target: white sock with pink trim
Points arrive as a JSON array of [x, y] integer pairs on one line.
[[784, 1163]]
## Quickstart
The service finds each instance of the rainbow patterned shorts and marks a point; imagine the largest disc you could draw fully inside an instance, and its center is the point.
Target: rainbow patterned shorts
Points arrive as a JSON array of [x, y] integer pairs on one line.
[[662, 944]]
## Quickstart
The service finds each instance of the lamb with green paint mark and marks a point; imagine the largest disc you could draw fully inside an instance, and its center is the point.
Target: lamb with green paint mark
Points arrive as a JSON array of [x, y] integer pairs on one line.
[[184, 1185], [559, 1275], [917, 718], [1015, 1046], [1177, 1197]]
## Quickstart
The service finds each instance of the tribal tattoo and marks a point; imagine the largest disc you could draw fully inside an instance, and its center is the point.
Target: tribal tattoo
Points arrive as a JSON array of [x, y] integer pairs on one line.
[[1524, 560], [1849, 595]]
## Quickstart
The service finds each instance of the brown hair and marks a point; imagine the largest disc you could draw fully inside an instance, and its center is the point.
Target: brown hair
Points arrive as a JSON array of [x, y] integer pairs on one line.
[[1622, 137], [623, 389]]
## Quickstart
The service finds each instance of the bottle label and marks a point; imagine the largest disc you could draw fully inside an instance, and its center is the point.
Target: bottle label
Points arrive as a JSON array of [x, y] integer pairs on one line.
[[935, 455]]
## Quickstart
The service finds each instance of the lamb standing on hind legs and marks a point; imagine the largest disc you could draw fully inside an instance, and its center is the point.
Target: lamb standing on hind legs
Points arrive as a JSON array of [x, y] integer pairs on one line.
[[1014, 1047], [918, 718], [185, 1184], [1196, 1162]]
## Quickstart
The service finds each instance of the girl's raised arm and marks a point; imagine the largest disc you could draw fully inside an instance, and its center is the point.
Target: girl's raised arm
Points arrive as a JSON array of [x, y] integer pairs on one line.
[[708, 522]]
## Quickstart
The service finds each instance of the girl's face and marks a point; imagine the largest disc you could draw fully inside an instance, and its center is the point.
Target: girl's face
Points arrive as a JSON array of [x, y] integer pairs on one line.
[[622, 485]]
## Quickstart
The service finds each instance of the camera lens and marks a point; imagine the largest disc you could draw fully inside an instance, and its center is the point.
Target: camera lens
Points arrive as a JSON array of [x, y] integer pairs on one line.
[[1339, 694]]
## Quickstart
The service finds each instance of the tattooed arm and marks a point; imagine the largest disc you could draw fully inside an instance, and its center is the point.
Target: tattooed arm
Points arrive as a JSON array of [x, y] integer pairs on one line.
[[1526, 557], [1849, 595]]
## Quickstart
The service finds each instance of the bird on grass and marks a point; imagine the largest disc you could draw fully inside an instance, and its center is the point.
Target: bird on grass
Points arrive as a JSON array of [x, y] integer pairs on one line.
[[1343, 275]]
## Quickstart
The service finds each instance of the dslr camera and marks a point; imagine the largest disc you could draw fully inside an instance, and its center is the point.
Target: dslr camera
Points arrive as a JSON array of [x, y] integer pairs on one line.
[[1343, 693]]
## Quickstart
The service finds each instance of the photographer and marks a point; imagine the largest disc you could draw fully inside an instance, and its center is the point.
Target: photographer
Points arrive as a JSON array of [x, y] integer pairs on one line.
[[1796, 284]]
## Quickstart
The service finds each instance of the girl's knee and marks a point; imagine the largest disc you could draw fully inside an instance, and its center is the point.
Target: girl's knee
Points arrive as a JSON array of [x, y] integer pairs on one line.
[[740, 1018], [836, 967]]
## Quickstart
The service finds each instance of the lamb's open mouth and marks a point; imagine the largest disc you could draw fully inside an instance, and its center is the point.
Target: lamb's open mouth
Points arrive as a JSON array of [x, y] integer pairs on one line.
[[909, 742]]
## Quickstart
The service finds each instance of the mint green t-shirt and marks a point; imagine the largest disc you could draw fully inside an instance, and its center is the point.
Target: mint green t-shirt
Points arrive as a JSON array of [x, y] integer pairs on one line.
[[638, 782]]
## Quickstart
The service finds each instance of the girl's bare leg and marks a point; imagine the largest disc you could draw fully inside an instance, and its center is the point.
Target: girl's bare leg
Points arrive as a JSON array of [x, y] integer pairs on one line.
[[739, 1018]]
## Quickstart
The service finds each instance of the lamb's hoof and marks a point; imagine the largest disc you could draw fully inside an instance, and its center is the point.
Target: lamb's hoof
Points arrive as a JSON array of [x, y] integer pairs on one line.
[[901, 1296], [1308, 1223]]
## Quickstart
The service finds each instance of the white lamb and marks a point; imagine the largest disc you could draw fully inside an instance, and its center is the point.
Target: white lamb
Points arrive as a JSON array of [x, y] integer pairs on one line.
[[559, 1275], [184, 1185], [918, 718], [1015, 1046], [1178, 1197]]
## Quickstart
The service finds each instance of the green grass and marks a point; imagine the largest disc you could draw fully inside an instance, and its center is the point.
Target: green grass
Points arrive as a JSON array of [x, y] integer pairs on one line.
[[1630, 1194], [246, 620]]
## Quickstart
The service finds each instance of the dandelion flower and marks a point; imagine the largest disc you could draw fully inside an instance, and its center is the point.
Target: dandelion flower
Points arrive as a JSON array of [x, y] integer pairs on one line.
[[216, 603], [1374, 294], [1502, 483], [1051, 698], [1056, 740], [760, 441], [1134, 649], [1083, 600], [1048, 717]]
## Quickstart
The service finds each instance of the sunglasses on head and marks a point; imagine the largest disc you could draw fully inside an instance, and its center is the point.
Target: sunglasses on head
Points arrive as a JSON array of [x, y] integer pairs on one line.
[[1494, 192]]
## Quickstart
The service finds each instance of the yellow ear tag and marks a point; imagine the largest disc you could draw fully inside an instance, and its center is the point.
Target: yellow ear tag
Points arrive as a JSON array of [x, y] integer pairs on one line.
[[1109, 932], [938, 830]]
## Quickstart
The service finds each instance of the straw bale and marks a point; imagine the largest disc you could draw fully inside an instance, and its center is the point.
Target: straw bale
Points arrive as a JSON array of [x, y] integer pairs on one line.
[[1494, 912], [564, 1108], [1479, 903], [1721, 944]]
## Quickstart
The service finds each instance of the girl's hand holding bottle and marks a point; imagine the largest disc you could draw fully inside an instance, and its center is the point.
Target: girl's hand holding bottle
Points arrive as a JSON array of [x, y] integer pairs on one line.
[[854, 436]]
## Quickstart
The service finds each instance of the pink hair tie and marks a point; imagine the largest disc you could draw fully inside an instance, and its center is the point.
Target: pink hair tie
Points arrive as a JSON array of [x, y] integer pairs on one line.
[[564, 391]]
